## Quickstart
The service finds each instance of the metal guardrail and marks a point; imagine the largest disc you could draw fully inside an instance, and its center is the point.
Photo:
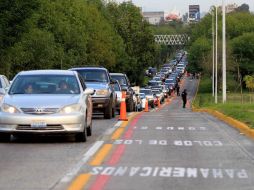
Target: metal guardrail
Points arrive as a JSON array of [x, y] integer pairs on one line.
[[178, 39]]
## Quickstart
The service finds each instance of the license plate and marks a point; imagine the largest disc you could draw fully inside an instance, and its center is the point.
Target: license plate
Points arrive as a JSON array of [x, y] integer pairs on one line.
[[39, 125]]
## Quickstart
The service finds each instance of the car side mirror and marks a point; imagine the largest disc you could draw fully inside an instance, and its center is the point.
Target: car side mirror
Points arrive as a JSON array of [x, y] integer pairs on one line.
[[89, 91]]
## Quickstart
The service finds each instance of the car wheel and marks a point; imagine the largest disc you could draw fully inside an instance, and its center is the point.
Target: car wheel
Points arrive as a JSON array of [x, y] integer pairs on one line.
[[130, 106], [89, 129], [113, 112], [108, 111], [81, 137], [5, 137]]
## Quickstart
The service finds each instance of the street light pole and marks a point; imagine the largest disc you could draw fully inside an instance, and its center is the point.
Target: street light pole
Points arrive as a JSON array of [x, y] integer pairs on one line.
[[213, 47], [216, 55], [223, 52]]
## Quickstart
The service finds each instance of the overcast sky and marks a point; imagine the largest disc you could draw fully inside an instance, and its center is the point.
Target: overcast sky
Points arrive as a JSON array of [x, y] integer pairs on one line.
[[182, 5]]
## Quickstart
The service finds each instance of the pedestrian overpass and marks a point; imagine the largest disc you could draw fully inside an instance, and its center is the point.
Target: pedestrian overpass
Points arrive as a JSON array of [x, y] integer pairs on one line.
[[172, 40]]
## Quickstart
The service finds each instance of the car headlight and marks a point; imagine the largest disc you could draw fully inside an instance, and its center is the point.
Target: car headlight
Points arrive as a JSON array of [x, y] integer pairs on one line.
[[71, 109], [9, 109], [102, 92]]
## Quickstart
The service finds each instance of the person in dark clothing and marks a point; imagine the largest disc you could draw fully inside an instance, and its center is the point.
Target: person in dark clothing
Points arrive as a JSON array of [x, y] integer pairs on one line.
[[178, 89], [184, 97]]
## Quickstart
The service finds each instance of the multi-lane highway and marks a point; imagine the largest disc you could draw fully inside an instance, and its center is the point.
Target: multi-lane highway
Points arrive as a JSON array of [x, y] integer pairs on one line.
[[167, 148]]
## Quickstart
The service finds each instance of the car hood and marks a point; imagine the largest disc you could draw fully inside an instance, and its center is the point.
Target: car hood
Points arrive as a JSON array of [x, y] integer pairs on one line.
[[41, 101], [96, 85]]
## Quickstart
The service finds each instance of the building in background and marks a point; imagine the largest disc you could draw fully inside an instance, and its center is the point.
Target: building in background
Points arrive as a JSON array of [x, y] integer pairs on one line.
[[185, 18], [231, 7], [194, 13], [154, 18], [174, 15]]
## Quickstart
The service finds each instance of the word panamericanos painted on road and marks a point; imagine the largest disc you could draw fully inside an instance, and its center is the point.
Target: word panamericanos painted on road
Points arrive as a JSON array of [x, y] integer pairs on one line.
[[166, 142], [172, 128], [174, 172]]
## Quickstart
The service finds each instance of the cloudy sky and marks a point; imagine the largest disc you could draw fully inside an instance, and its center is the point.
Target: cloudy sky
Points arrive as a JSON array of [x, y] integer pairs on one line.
[[182, 5]]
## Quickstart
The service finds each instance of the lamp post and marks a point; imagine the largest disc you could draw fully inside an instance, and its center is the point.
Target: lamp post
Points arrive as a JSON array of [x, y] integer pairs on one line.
[[216, 55], [213, 47], [224, 96]]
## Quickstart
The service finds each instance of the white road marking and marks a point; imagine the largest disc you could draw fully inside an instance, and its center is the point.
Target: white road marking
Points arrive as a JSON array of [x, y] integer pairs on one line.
[[69, 176], [172, 172]]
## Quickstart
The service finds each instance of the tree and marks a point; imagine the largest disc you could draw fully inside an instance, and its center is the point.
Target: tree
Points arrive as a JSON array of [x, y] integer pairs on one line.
[[249, 81], [243, 51], [243, 8]]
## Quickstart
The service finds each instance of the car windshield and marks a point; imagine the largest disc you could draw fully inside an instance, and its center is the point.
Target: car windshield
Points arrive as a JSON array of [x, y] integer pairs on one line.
[[94, 75], [146, 92], [45, 84], [117, 87], [121, 79]]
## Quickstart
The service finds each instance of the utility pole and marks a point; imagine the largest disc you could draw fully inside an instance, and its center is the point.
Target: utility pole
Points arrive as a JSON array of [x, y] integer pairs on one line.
[[224, 96], [213, 48], [216, 55]]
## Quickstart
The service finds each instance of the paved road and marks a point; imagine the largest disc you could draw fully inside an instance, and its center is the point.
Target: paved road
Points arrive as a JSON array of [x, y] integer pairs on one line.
[[171, 148], [39, 163]]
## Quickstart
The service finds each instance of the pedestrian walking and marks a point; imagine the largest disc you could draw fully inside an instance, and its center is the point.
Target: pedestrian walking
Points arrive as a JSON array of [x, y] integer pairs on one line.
[[184, 97], [178, 89]]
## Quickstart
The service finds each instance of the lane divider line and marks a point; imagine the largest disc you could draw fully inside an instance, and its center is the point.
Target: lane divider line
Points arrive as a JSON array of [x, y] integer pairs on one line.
[[99, 157], [80, 182], [115, 158], [69, 176], [97, 160], [117, 134], [100, 182]]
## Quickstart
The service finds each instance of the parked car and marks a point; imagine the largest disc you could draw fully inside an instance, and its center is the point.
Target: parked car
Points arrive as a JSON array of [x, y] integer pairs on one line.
[[149, 95], [47, 102], [126, 86], [118, 91], [4, 84], [104, 98], [142, 101]]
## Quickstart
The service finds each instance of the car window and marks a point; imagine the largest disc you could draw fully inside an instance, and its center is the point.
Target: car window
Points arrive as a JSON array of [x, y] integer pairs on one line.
[[45, 84], [82, 81], [117, 87], [96, 75], [121, 79]]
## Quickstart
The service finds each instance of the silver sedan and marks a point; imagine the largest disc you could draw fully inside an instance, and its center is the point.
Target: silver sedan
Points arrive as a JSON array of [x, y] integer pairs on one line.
[[46, 102]]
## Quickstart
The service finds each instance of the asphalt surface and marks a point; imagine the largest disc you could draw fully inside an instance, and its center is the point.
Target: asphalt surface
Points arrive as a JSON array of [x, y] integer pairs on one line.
[[37, 163], [168, 148]]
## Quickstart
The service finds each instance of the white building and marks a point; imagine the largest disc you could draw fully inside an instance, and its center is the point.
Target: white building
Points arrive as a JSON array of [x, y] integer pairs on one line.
[[154, 18]]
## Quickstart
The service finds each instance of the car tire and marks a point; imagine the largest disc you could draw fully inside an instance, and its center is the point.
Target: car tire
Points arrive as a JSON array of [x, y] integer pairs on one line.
[[130, 106], [108, 111], [5, 137], [81, 137], [113, 112], [89, 129]]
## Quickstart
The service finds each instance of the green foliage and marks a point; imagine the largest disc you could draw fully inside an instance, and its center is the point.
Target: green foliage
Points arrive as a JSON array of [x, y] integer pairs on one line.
[[44, 34], [198, 54], [243, 51], [249, 81]]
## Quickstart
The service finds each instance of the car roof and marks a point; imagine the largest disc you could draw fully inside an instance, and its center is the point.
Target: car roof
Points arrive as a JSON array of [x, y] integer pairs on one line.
[[88, 68], [47, 72], [115, 74]]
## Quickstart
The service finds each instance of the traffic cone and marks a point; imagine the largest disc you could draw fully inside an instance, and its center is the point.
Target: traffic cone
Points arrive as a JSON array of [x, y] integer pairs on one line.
[[159, 103], [123, 114], [172, 93], [146, 107]]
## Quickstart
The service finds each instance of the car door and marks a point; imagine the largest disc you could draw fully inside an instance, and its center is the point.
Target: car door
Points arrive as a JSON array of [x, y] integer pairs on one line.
[[88, 100]]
